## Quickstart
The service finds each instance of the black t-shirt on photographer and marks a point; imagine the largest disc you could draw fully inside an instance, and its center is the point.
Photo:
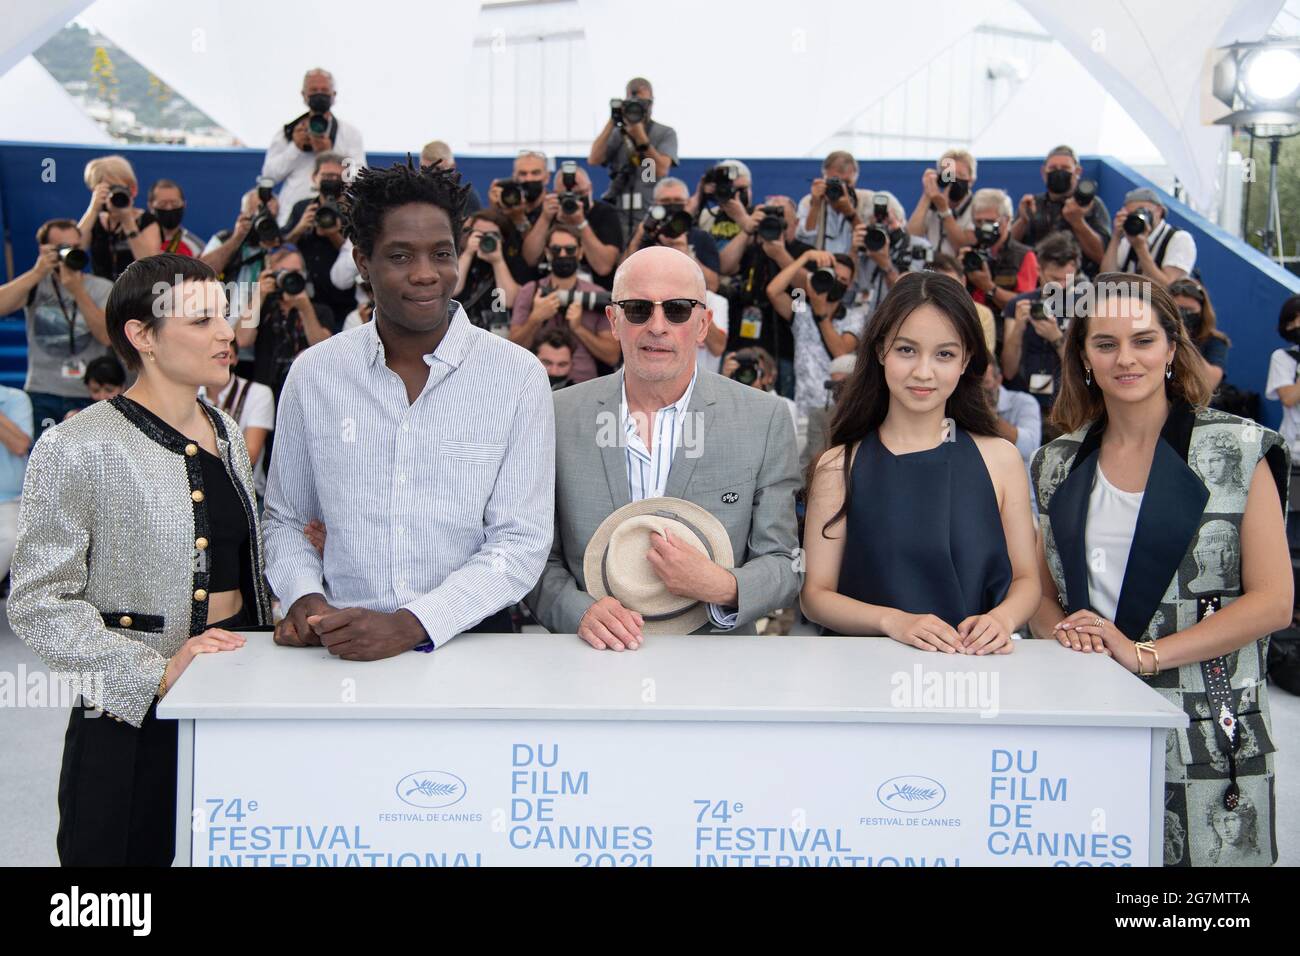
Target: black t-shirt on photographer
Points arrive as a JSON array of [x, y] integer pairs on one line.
[[110, 251], [478, 296], [281, 338], [320, 254], [603, 220], [1047, 219], [747, 289], [1040, 363]]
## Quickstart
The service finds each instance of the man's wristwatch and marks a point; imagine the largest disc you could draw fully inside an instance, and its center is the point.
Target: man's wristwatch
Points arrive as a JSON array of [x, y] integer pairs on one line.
[[582, 225], [945, 213]]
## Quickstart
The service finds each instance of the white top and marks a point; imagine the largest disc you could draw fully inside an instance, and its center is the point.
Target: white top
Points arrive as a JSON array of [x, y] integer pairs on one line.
[[1282, 370], [700, 677], [258, 412], [1112, 519], [706, 361], [1180, 254], [292, 166]]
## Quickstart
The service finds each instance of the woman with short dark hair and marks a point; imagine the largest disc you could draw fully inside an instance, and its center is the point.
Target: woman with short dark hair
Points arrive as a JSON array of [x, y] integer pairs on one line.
[[138, 548]]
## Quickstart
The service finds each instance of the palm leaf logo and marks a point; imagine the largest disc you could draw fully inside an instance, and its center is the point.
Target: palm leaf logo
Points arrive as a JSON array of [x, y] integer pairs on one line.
[[912, 793], [431, 789]]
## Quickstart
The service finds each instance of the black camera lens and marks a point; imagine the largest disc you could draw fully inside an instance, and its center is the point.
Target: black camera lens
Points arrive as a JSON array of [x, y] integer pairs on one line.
[[327, 217], [511, 194], [876, 238], [290, 281], [317, 124], [678, 223], [772, 226], [487, 243], [266, 228], [973, 260], [834, 189], [747, 371], [1037, 310], [1085, 192], [822, 281], [119, 196], [633, 111], [1135, 223], [73, 257], [570, 203]]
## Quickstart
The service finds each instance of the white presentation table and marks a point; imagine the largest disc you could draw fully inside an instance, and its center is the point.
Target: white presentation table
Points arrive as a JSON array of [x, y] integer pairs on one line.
[[534, 749]]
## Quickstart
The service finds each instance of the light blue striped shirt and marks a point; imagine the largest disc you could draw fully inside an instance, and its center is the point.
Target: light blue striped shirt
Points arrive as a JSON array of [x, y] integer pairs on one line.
[[647, 469], [444, 506]]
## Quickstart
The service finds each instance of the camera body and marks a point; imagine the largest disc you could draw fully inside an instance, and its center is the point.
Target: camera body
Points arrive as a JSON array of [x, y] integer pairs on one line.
[[722, 181], [265, 228], [837, 189], [748, 368], [1138, 222], [660, 222], [290, 281], [119, 196], [623, 112], [772, 226], [1085, 192], [487, 243], [74, 257], [570, 203], [822, 280], [511, 194]]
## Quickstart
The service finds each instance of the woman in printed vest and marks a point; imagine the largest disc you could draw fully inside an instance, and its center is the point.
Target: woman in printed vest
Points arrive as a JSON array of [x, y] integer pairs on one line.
[[1163, 547]]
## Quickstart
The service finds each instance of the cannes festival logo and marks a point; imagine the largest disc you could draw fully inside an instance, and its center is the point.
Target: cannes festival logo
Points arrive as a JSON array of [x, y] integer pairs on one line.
[[911, 794], [431, 789]]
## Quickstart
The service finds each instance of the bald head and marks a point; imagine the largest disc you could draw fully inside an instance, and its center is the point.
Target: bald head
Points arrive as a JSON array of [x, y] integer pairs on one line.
[[658, 272]]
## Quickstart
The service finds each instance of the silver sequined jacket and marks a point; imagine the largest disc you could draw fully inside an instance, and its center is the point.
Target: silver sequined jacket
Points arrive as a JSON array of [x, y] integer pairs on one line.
[[109, 575]]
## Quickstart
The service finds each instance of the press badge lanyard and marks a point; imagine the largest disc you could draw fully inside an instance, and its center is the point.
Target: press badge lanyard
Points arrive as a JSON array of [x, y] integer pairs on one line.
[[70, 319]]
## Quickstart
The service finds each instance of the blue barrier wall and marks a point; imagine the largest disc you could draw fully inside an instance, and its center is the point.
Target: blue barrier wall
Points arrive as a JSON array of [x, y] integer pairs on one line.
[[41, 181]]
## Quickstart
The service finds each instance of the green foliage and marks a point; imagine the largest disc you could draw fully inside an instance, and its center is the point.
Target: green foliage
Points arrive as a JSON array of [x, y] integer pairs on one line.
[[1288, 191]]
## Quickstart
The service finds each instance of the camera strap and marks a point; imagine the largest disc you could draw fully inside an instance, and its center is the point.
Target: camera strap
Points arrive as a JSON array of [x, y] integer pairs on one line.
[[70, 319]]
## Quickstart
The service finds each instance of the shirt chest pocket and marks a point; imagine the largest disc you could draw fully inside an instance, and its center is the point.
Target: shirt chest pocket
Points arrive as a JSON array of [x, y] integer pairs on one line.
[[473, 455]]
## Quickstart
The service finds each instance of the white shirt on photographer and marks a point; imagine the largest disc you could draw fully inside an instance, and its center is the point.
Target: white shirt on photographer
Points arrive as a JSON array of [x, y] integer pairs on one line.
[[1179, 254], [287, 164], [705, 360]]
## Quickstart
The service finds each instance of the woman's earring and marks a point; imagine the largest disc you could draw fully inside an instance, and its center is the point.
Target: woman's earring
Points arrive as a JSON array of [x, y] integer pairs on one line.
[[1169, 370], [1087, 375]]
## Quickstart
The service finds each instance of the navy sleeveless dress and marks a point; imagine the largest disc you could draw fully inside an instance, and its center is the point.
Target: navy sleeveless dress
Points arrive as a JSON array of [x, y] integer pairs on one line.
[[924, 534]]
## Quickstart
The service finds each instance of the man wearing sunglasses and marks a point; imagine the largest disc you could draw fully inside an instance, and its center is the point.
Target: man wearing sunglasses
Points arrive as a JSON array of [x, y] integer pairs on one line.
[[662, 428], [557, 302]]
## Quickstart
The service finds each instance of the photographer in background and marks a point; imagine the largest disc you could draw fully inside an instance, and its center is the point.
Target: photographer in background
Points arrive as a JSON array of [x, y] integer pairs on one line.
[[1069, 205], [596, 223], [756, 368], [316, 228], [289, 157], [485, 285], [1197, 310], [167, 203], [885, 250], [1144, 242], [290, 319], [551, 303], [1019, 419], [1033, 337], [947, 265], [436, 151], [520, 197], [629, 143], [749, 262], [555, 351], [112, 229], [827, 215], [998, 268], [721, 204], [667, 223], [64, 313], [943, 213]]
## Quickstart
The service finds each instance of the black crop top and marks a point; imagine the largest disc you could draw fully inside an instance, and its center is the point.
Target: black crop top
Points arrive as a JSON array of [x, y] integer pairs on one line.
[[228, 525]]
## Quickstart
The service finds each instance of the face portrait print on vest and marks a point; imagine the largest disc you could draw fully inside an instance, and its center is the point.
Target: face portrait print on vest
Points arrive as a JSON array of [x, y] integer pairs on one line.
[[615, 562]]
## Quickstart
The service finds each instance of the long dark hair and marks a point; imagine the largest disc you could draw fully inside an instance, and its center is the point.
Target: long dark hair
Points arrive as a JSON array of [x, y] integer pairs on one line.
[[864, 402]]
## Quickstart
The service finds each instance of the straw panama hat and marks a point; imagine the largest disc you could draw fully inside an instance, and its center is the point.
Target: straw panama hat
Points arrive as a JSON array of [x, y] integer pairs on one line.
[[615, 563]]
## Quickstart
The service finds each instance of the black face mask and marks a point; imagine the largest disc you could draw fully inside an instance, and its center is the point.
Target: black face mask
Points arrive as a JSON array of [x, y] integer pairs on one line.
[[1292, 335], [558, 381], [564, 266], [320, 102], [1192, 318], [957, 190], [169, 218], [532, 190], [1058, 181]]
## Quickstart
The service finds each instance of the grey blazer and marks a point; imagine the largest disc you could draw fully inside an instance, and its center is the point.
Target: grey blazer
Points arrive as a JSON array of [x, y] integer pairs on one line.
[[746, 474]]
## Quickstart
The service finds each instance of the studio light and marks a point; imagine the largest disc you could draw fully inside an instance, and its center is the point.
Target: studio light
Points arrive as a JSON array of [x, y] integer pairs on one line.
[[1270, 77]]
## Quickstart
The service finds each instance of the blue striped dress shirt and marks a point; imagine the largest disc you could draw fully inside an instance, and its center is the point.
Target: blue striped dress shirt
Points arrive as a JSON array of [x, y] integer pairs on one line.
[[443, 506], [647, 469]]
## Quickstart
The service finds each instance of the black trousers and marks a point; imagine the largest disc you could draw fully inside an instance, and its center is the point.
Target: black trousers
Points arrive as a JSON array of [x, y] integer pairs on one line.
[[117, 788]]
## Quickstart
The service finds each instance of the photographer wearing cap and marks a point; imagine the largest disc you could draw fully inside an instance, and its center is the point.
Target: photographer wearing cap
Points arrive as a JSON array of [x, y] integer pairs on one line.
[[167, 203], [64, 313], [636, 150], [485, 284], [1144, 242], [113, 231], [316, 228], [943, 213], [1069, 205], [885, 250], [598, 228], [289, 319], [668, 223], [289, 157], [827, 215], [551, 303], [997, 268]]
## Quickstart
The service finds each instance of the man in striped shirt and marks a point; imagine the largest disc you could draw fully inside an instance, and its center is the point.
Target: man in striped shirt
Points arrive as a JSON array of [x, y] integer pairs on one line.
[[660, 427], [424, 444]]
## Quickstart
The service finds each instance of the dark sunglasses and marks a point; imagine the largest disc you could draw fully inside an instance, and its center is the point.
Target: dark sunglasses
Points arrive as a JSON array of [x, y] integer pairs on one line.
[[677, 311], [563, 250], [1188, 288]]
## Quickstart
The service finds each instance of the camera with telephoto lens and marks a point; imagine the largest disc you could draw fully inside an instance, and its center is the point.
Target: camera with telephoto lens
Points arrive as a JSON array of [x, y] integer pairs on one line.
[[1138, 221], [723, 182], [625, 112], [487, 243], [986, 234], [772, 226], [570, 203], [74, 257], [823, 280], [660, 222], [590, 301], [748, 368], [290, 281], [328, 213], [511, 194], [119, 196], [1085, 192]]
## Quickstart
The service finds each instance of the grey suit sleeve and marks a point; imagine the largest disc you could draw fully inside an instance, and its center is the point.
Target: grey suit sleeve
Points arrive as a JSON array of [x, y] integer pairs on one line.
[[768, 580], [557, 601]]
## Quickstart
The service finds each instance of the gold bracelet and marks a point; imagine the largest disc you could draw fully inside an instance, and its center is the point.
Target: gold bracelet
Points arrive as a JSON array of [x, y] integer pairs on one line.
[[1150, 646]]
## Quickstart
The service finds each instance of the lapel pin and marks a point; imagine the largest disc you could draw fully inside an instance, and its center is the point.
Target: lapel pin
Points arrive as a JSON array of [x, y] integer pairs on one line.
[[730, 498]]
